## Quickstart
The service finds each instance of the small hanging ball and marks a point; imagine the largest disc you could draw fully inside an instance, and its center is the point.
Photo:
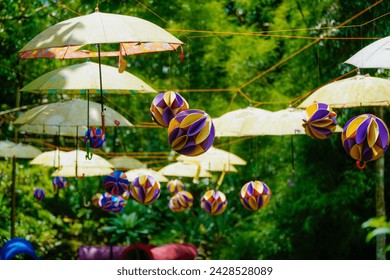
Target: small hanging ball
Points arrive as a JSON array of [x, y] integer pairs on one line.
[[181, 201], [96, 198], [111, 203], [59, 182], [145, 189], [365, 137], [39, 193], [320, 122], [165, 106], [95, 136], [255, 195], [175, 186], [126, 195], [213, 202], [191, 132], [116, 183]]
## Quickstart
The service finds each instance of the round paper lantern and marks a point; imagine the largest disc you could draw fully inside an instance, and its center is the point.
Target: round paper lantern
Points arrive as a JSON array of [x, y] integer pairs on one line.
[[145, 189], [191, 132], [111, 203], [175, 186], [95, 136], [96, 198], [320, 122], [213, 202], [59, 182], [181, 201], [116, 183], [255, 195], [365, 137], [166, 106], [39, 193]]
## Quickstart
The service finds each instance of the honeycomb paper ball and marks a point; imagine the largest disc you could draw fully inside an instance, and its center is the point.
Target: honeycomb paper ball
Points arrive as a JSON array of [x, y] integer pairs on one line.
[[320, 122], [116, 183], [365, 137], [181, 201], [175, 186], [255, 195], [145, 189], [213, 202], [95, 136], [191, 132], [59, 182], [111, 203], [165, 106], [39, 193]]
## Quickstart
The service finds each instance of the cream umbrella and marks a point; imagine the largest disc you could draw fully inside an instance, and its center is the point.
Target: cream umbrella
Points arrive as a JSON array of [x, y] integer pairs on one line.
[[6, 144], [49, 159], [82, 171], [232, 123], [184, 169], [126, 163], [134, 173], [215, 155], [375, 55], [83, 78]]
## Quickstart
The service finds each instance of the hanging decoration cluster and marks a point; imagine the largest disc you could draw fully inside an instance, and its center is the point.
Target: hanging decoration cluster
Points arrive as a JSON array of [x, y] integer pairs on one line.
[[190, 132], [320, 122], [365, 138]]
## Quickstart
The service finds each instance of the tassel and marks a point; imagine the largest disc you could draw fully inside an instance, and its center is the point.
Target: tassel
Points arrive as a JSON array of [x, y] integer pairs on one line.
[[181, 54], [122, 63]]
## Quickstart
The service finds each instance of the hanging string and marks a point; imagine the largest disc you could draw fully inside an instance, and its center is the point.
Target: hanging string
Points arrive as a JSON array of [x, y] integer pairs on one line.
[[291, 182]]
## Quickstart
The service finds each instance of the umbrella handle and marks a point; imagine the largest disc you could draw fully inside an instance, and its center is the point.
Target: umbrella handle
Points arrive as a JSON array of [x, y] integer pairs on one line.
[[89, 154]]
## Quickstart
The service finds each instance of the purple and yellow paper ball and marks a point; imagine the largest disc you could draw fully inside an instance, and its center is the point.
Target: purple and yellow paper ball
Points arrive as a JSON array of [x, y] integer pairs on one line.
[[59, 182], [39, 193], [255, 195], [96, 198], [181, 201], [95, 136], [213, 202], [126, 195], [145, 189], [165, 106], [365, 137], [111, 203], [116, 183], [175, 186], [320, 122], [191, 132]]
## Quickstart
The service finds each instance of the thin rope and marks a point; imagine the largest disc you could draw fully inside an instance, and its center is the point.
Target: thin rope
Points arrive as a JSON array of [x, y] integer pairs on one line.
[[151, 11]]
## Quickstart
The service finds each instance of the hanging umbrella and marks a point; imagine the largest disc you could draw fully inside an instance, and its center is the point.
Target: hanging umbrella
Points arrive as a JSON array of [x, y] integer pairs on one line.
[[69, 171], [6, 144], [232, 123], [54, 117], [184, 169], [375, 55], [134, 173], [126, 163], [352, 92], [49, 159], [84, 78], [215, 155]]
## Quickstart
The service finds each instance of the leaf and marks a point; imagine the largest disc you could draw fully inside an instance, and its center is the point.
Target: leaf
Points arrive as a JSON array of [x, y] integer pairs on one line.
[[376, 232]]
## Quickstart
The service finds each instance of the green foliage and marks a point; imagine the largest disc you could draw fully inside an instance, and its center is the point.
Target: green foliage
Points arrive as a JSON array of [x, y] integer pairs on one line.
[[381, 227]]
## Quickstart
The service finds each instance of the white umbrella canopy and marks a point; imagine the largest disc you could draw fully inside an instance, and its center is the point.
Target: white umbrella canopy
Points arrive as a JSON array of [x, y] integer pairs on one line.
[[375, 55], [352, 92], [65, 39], [49, 159], [61, 116], [84, 78], [134, 173], [184, 169], [69, 171], [233, 123], [6, 144], [126, 163], [20, 151]]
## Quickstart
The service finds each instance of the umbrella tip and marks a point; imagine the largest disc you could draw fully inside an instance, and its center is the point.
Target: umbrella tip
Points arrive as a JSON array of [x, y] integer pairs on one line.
[[97, 8]]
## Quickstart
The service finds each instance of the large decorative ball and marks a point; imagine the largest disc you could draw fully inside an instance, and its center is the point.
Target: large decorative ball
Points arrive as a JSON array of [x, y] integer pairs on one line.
[[365, 137], [181, 201], [213, 202], [191, 132], [111, 203], [166, 106], [95, 136], [39, 193], [255, 195], [320, 122], [116, 183], [59, 182], [145, 189], [175, 186]]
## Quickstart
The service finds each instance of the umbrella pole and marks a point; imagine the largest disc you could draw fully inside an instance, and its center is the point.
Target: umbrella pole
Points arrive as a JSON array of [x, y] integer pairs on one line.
[[13, 197], [101, 88]]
